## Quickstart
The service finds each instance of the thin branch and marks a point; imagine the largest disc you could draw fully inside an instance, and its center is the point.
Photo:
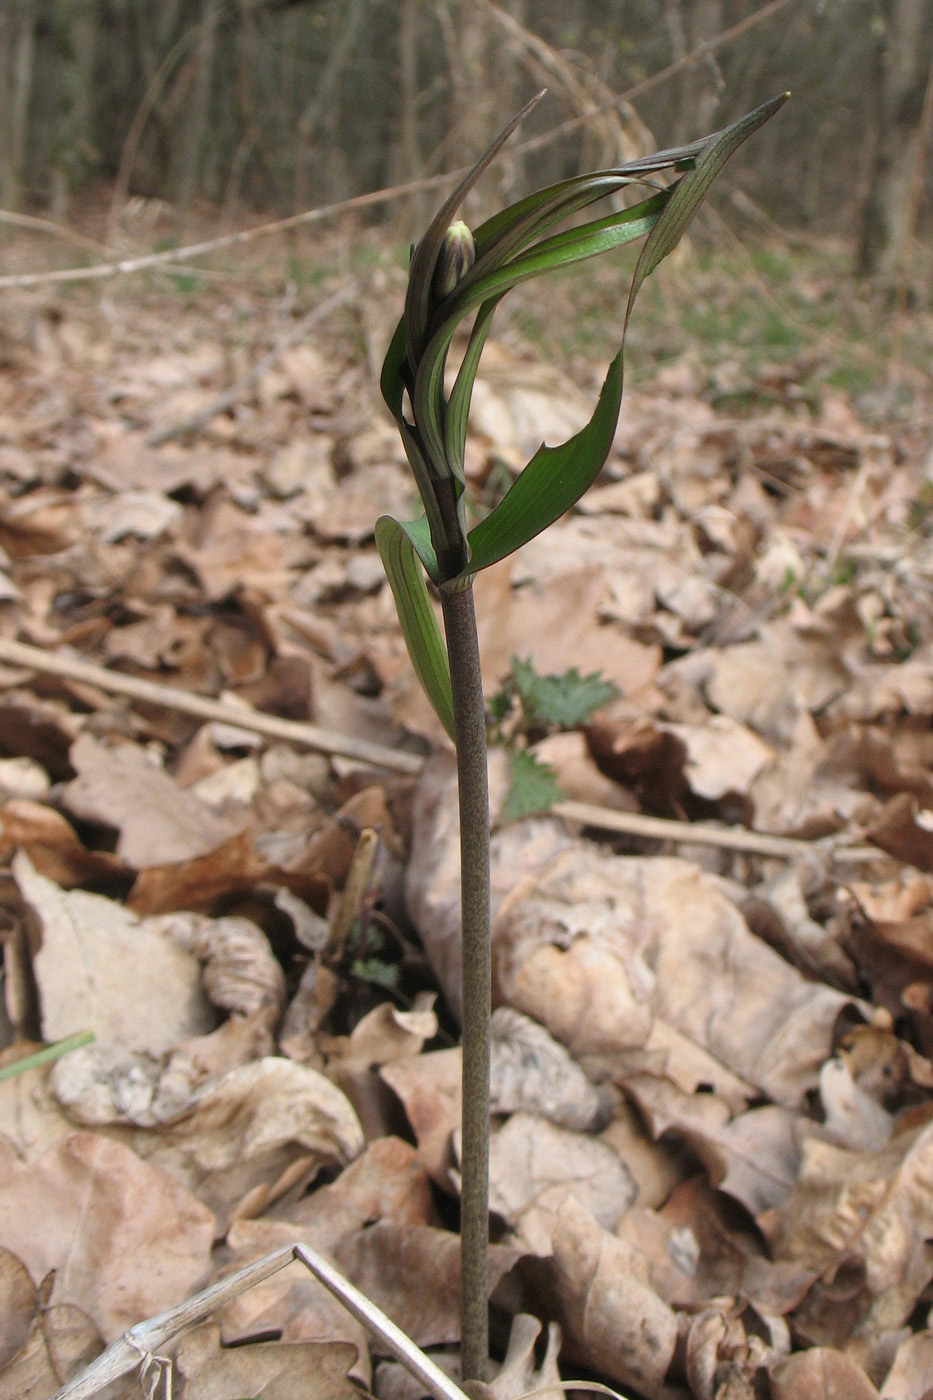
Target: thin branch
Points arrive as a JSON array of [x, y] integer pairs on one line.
[[137, 1345], [310, 736], [34, 225], [729, 838]]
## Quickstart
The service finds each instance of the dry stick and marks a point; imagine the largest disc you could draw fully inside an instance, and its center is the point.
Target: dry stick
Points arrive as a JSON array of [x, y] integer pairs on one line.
[[310, 736], [384, 196], [194, 422], [135, 1348]]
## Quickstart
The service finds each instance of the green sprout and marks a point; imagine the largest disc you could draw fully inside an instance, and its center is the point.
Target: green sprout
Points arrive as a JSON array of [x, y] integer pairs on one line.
[[455, 274]]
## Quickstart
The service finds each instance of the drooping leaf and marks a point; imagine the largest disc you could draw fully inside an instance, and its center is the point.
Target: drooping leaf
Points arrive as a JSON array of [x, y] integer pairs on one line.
[[553, 481], [691, 190], [575, 245], [567, 699], [419, 625], [534, 787]]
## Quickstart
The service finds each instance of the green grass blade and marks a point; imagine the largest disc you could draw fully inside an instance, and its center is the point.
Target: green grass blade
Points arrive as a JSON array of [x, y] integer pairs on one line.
[[554, 479], [419, 625]]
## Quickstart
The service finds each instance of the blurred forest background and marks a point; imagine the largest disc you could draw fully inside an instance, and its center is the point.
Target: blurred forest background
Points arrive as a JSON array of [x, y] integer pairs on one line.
[[284, 105]]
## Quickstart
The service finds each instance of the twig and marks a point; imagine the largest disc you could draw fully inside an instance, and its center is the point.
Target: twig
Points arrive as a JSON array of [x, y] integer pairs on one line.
[[434, 1380], [138, 1344], [202, 416], [141, 1341], [730, 838], [227, 240], [310, 736], [34, 225]]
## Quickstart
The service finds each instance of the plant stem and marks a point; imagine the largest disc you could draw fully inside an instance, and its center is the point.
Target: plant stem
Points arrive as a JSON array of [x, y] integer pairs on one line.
[[473, 786]]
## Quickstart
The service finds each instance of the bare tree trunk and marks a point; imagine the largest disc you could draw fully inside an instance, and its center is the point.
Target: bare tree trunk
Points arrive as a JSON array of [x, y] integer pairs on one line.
[[409, 163], [191, 132], [692, 23], [905, 59], [17, 45]]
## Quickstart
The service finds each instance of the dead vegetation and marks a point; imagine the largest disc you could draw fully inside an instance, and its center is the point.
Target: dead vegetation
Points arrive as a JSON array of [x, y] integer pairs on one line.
[[713, 1145]]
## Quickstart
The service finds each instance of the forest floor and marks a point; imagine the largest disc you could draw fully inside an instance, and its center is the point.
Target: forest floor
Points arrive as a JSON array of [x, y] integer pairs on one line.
[[713, 1139]]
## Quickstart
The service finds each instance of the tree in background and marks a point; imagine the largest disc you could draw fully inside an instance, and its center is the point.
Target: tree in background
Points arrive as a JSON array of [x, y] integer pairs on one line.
[[904, 102]]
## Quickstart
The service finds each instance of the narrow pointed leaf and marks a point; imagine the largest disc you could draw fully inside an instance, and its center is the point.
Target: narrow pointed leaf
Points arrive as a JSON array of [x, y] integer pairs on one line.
[[421, 272], [458, 405], [692, 189], [553, 481], [419, 625]]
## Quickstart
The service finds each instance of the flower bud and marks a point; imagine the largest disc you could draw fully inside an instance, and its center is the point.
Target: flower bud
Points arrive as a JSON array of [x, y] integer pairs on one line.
[[454, 261]]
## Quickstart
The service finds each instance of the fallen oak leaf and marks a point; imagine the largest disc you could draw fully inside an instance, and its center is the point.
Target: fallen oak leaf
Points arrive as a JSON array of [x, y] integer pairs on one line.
[[52, 844], [124, 1238], [159, 822]]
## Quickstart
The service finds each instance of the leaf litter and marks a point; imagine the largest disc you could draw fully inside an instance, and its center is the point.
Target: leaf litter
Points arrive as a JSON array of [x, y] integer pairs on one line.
[[712, 1159]]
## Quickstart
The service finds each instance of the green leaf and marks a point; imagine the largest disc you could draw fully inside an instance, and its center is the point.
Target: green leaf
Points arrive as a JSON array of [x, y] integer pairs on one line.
[[575, 245], [692, 188], [553, 481], [534, 787], [458, 405], [419, 625], [419, 297], [567, 700]]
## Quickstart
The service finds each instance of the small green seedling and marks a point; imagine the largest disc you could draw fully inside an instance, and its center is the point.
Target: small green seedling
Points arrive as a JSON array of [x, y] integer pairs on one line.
[[529, 706], [455, 274]]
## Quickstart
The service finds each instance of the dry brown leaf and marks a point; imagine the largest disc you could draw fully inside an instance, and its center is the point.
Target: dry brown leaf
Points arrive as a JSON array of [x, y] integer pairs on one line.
[[249, 1136], [412, 1272], [873, 1210], [723, 756], [384, 1183], [613, 1320], [61, 1343], [383, 1035], [19, 1303], [577, 774], [594, 946], [292, 1302], [158, 821], [533, 1072], [820, 1373], [520, 1373], [267, 1371], [911, 1373], [125, 1240], [100, 968], [241, 974], [52, 844], [901, 830], [234, 867], [603, 942], [430, 1090], [656, 1167], [534, 1167]]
